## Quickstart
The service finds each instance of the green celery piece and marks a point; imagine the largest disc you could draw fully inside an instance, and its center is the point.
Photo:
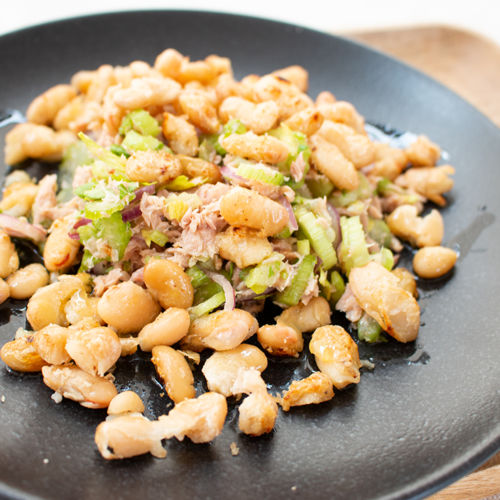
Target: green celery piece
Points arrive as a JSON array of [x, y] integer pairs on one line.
[[203, 285], [297, 143], [338, 287], [103, 202], [369, 330], [258, 172], [233, 126], [320, 186], [284, 234], [197, 276], [292, 294], [264, 274], [140, 121], [77, 154], [379, 231], [154, 236], [303, 247], [112, 229], [385, 187], [353, 250], [181, 183], [384, 258], [326, 286], [317, 236], [346, 198], [207, 306], [136, 142], [118, 150], [206, 149], [115, 163]]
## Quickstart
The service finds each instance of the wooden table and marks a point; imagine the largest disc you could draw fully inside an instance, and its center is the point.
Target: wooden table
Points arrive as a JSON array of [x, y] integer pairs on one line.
[[469, 64]]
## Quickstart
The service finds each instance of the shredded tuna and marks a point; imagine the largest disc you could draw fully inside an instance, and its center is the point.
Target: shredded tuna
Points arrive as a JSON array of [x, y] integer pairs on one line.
[[45, 200], [69, 208], [152, 210], [138, 276], [348, 304], [209, 193], [197, 240], [102, 283]]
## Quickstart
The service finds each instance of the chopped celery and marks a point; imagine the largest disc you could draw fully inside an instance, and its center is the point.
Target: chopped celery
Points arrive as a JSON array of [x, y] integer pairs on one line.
[[209, 145], [118, 150], [296, 142], [319, 185], [317, 235], [76, 154], [197, 276], [284, 234], [206, 151], [140, 121], [385, 258], [303, 247], [207, 306], [265, 274], [326, 286], [259, 172], [291, 295], [115, 233], [353, 250], [178, 205], [379, 231], [136, 142], [338, 287], [181, 183], [362, 192], [154, 236], [369, 330], [385, 188], [233, 127], [203, 285], [104, 199], [113, 162]]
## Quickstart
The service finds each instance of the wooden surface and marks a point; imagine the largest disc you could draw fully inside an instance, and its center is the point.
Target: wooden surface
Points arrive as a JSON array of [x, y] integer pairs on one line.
[[470, 65], [466, 62]]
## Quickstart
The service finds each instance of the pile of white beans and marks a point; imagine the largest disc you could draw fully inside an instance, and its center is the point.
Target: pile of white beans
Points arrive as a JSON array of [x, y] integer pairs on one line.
[[77, 337]]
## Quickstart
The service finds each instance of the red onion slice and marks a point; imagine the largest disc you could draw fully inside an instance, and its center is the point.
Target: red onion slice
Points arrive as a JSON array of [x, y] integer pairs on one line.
[[74, 235], [149, 189], [227, 288], [131, 212], [82, 222], [292, 224], [19, 228]]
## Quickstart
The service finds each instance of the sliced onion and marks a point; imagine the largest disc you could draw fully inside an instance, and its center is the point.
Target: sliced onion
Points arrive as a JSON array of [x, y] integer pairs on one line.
[[19, 228], [336, 224], [131, 212], [149, 189], [292, 224], [227, 288], [82, 222], [74, 235]]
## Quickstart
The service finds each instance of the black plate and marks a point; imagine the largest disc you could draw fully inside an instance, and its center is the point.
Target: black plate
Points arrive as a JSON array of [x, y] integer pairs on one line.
[[408, 428]]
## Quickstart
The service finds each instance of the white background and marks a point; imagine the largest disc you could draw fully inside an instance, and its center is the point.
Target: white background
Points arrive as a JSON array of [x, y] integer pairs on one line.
[[481, 16]]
